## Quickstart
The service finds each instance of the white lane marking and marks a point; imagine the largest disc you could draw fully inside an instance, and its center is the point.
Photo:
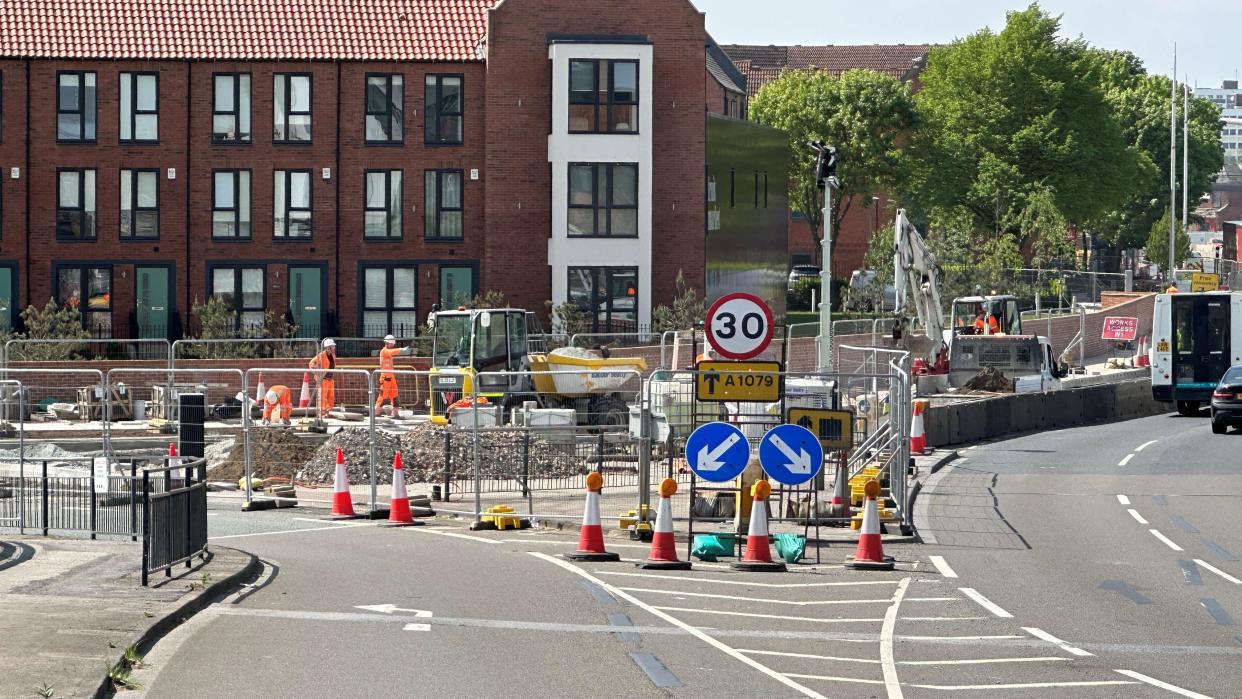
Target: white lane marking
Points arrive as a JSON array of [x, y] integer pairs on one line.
[[287, 531], [887, 662], [1126, 460], [726, 649], [764, 600], [313, 520], [833, 678], [767, 616], [1167, 541], [1123, 499], [958, 638], [982, 661], [1218, 571], [455, 535], [986, 603], [1162, 685], [942, 566], [416, 627], [1045, 636], [809, 656], [942, 618], [1144, 445], [1137, 517], [1020, 685], [743, 582], [570, 542]]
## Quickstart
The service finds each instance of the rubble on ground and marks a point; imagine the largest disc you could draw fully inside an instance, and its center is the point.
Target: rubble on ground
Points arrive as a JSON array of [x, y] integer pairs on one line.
[[990, 379], [273, 452]]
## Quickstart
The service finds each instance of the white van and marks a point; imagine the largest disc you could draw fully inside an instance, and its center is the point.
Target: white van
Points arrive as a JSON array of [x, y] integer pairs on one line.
[[1195, 339]]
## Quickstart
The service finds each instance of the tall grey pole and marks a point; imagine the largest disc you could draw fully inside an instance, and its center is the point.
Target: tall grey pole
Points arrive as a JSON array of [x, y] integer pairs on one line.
[[1185, 153], [1172, 163], [824, 365]]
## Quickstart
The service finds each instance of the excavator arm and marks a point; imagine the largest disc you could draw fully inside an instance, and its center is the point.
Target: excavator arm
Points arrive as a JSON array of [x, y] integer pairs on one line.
[[916, 276]]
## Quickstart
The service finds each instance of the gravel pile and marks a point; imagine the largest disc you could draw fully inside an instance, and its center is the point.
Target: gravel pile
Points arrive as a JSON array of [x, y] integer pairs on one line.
[[273, 452]]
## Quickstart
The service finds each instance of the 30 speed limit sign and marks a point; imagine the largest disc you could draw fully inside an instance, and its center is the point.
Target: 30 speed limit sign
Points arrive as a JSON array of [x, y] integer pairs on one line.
[[739, 326]]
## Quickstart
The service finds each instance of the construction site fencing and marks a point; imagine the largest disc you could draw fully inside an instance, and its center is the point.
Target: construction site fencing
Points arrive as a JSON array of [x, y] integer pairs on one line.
[[358, 347], [636, 339], [244, 348], [44, 350], [143, 400]]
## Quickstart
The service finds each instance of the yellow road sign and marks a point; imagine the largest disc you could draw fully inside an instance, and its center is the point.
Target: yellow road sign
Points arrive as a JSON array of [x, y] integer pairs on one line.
[[1204, 281], [833, 427], [739, 381]]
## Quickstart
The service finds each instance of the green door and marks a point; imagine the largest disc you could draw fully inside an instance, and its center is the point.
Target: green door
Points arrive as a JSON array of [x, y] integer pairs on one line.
[[8, 298], [306, 300], [152, 300]]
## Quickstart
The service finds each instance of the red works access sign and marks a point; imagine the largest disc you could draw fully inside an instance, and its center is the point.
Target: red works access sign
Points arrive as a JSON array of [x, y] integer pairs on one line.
[[1120, 329]]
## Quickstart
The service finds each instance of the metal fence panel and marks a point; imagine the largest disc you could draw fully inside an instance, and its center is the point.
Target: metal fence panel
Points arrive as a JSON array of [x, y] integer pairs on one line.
[[174, 522]]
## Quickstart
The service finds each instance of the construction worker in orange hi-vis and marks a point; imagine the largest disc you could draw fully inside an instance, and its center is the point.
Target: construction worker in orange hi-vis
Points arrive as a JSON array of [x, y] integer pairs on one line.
[[277, 405], [388, 380], [325, 362]]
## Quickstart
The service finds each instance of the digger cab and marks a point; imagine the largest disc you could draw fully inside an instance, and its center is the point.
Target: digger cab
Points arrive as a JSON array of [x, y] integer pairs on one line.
[[489, 345], [1002, 309]]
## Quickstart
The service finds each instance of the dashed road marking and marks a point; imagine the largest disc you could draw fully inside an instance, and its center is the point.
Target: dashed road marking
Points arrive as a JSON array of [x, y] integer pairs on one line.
[[722, 612], [1209, 567], [984, 661], [1123, 499], [1162, 685], [810, 656], [1126, 460], [1167, 541], [1144, 445], [942, 566], [986, 603], [289, 531], [1137, 517], [1045, 636], [455, 535], [887, 664]]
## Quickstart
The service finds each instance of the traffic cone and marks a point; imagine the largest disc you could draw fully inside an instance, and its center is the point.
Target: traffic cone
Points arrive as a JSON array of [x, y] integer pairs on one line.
[[870, 553], [663, 545], [304, 399], [591, 536], [342, 502], [918, 436], [399, 511], [841, 494], [261, 391], [1142, 359], [758, 556], [173, 458]]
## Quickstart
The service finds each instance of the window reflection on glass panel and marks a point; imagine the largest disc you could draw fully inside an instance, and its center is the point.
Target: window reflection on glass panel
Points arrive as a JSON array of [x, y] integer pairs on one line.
[[223, 284], [69, 287], [624, 118], [403, 282], [625, 81], [99, 289], [375, 288], [252, 288]]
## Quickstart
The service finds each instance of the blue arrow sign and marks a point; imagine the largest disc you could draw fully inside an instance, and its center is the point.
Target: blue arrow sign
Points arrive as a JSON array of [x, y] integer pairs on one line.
[[791, 454], [717, 451]]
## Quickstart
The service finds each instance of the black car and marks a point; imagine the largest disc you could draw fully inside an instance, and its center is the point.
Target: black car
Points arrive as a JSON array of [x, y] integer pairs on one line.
[[1227, 401]]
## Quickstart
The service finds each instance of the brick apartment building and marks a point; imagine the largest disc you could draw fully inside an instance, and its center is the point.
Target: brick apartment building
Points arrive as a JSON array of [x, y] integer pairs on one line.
[[350, 164]]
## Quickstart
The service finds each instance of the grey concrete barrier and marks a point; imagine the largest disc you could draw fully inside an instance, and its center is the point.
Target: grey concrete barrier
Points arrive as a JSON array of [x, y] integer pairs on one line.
[[997, 415], [1099, 403], [936, 424]]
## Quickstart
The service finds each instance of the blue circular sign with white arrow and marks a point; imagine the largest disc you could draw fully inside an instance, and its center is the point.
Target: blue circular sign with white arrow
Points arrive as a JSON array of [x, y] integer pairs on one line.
[[791, 454], [717, 452]]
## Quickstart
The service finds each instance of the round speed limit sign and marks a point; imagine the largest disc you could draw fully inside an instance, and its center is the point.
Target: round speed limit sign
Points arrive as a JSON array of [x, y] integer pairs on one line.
[[739, 326]]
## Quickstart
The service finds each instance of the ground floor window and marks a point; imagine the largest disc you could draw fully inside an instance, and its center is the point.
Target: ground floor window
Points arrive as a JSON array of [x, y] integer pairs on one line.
[[88, 289], [607, 295], [390, 301], [242, 291]]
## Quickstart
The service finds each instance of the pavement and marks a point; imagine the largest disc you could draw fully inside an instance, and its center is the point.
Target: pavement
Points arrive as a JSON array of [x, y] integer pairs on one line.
[[70, 607]]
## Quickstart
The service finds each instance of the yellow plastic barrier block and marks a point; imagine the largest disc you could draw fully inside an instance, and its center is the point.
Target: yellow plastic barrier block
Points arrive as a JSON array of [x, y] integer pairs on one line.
[[503, 516], [630, 518]]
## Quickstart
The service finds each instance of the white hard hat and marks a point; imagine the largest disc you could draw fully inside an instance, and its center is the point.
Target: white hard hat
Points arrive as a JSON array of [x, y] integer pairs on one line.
[[389, 338], [271, 396], [329, 342]]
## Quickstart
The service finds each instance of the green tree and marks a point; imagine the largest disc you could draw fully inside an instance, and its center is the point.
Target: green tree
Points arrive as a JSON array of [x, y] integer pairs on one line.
[[687, 311], [52, 322], [1158, 243], [865, 114]]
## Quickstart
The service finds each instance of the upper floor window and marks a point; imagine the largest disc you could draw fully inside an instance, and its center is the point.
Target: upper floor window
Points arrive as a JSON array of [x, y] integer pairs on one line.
[[140, 117], [442, 204], [382, 217], [230, 108], [291, 201], [443, 109], [291, 96], [603, 96], [140, 204], [75, 204], [230, 204], [385, 118], [603, 199], [75, 107]]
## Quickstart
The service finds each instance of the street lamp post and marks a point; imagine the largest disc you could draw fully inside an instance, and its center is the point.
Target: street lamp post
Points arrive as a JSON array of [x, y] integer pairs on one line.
[[825, 179]]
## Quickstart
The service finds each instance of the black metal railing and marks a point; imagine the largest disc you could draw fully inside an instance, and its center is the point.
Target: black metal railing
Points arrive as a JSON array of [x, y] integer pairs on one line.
[[70, 504], [174, 516]]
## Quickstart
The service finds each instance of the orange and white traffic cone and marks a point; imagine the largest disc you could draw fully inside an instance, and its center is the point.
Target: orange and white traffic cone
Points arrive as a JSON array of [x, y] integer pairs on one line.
[[261, 391], [399, 510], [1141, 358], [663, 545], [840, 507], [173, 458], [342, 501], [758, 555], [304, 399], [870, 553], [918, 435], [591, 536]]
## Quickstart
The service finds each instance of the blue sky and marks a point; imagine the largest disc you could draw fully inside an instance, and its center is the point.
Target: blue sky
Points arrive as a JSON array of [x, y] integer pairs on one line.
[[1148, 28]]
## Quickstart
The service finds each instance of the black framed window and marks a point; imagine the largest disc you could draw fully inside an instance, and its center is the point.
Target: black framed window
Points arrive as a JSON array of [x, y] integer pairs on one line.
[[603, 96], [603, 199], [385, 119], [243, 291], [75, 107], [230, 107], [88, 289], [230, 204], [443, 109], [442, 204], [457, 285], [382, 212], [291, 203], [140, 204], [140, 115], [75, 204], [291, 97], [607, 295], [389, 300]]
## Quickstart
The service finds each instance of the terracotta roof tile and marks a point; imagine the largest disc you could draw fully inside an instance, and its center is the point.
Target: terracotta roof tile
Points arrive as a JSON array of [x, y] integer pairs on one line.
[[401, 30], [762, 64]]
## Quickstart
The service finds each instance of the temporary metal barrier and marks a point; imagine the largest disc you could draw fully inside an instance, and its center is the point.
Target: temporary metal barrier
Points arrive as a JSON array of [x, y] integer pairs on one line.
[[46, 350], [355, 347], [174, 516], [243, 348], [587, 340]]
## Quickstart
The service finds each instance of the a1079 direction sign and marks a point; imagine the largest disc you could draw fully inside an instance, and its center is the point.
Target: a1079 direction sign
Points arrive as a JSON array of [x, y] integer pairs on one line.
[[739, 326]]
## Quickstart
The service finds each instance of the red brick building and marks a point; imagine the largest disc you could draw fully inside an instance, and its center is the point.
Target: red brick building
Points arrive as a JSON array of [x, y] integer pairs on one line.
[[350, 164]]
